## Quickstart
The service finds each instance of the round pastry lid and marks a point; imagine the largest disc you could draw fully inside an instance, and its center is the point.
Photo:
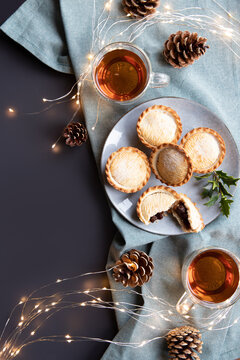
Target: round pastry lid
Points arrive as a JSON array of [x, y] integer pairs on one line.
[[206, 149], [159, 124], [155, 200], [127, 169], [171, 164]]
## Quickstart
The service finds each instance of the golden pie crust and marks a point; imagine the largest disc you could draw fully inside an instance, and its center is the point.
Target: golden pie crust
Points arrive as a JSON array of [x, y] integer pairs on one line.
[[171, 164], [159, 124], [206, 149], [127, 169], [194, 216], [154, 200]]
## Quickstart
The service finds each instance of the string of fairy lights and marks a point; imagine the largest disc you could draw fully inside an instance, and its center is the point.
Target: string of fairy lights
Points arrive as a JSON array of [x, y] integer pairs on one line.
[[29, 315], [33, 311]]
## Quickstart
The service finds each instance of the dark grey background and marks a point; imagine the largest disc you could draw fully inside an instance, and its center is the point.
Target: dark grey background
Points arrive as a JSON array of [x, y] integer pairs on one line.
[[55, 220]]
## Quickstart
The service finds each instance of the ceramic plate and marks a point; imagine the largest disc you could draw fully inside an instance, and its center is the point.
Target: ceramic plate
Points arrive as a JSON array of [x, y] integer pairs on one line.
[[124, 134]]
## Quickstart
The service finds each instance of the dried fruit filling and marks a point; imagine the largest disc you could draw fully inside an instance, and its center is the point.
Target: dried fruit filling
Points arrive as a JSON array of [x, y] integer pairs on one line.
[[157, 216], [181, 211]]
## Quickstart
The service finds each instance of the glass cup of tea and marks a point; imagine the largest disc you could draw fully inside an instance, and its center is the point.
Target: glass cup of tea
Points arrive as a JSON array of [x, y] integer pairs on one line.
[[211, 278], [122, 72]]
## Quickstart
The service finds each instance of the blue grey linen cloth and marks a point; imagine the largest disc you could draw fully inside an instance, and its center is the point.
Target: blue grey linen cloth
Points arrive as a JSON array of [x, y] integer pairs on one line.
[[59, 33]]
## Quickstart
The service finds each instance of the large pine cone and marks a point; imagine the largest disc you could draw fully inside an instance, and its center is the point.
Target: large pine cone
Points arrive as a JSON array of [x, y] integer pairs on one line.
[[75, 134], [183, 48], [140, 8], [183, 342], [134, 268]]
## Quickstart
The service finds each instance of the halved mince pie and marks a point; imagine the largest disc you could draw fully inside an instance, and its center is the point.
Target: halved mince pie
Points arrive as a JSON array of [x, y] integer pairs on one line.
[[155, 202], [159, 124], [206, 149], [159, 201], [187, 214], [127, 169], [171, 164]]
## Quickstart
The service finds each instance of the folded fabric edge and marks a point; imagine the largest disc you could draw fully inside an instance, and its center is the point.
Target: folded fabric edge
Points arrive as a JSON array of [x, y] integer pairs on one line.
[[64, 68], [232, 354]]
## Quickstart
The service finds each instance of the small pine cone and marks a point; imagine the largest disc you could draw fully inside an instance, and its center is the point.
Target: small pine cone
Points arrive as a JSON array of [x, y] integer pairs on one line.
[[183, 48], [134, 268], [75, 134], [140, 8], [183, 343]]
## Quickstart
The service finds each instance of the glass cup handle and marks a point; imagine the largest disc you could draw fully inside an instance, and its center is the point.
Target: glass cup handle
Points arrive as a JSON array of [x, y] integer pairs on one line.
[[184, 304], [158, 80]]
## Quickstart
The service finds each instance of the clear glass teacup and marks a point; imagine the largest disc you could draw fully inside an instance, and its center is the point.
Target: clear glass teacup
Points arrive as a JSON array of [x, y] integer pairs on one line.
[[122, 72], [211, 278]]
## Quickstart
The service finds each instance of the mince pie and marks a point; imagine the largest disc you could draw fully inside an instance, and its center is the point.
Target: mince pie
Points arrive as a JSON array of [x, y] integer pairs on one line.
[[159, 124], [187, 214], [206, 149], [171, 164], [158, 201], [127, 169]]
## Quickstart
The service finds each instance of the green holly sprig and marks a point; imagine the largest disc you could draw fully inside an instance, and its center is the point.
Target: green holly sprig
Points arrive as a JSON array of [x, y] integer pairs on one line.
[[216, 188]]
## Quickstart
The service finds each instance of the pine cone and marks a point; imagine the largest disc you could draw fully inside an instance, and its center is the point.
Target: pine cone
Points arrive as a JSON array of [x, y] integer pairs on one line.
[[134, 268], [140, 8], [75, 134], [183, 342], [183, 48]]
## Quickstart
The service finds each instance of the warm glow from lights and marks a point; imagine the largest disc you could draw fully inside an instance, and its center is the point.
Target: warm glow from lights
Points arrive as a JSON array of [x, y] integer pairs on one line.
[[11, 110], [20, 323], [67, 336], [36, 306], [90, 56], [44, 99], [53, 146], [228, 33], [108, 4], [167, 7], [58, 280], [86, 291], [77, 102], [53, 303], [83, 304], [32, 333], [46, 310]]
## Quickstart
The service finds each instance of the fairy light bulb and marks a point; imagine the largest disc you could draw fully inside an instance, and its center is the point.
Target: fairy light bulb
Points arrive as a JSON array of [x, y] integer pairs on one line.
[[11, 110], [90, 56]]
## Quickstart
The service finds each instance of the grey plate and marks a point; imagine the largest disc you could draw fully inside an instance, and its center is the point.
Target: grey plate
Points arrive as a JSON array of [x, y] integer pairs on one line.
[[124, 133]]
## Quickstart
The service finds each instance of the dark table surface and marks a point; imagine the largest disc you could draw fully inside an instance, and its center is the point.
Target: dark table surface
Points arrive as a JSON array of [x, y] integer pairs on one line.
[[55, 221]]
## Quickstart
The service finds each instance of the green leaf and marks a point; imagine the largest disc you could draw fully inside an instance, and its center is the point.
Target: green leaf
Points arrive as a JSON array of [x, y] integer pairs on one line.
[[227, 179], [224, 190], [206, 193], [202, 176], [225, 206], [212, 200], [214, 184]]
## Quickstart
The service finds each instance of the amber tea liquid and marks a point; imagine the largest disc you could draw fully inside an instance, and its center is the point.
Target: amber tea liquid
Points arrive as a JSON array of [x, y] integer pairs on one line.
[[121, 75], [213, 276]]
